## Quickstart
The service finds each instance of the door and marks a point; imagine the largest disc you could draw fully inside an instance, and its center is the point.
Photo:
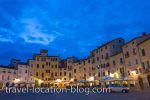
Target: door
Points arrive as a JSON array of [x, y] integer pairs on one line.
[[148, 78]]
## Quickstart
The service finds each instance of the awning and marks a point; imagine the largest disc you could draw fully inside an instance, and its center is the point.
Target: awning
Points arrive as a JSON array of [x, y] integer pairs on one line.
[[84, 81], [108, 79]]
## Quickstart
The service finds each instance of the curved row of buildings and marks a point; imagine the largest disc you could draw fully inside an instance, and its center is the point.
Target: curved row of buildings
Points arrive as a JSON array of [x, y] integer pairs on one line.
[[115, 59]]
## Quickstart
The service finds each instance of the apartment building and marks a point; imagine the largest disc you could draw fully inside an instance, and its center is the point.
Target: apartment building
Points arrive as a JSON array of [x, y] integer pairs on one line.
[[84, 72], [8, 76], [45, 69], [133, 64], [144, 48], [117, 65], [101, 55], [66, 69], [115, 58], [23, 74], [133, 60]]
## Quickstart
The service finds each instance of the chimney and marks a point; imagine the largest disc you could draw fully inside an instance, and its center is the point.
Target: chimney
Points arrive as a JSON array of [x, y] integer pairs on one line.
[[44, 52], [144, 33]]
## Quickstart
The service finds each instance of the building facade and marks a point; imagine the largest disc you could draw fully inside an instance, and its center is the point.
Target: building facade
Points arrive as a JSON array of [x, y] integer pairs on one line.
[[114, 59], [8, 76]]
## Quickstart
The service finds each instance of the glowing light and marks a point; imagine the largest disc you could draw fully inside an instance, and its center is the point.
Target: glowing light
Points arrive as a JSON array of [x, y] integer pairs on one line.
[[58, 80], [111, 75], [133, 72], [16, 80], [116, 75], [40, 81], [91, 79], [72, 80]]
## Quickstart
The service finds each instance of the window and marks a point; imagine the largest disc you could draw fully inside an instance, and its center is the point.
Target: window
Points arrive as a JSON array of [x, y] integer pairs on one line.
[[133, 42], [89, 74], [134, 51], [26, 71], [143, 65], [55, 73], [64, 73], [84, 62], [37, 66], [69, 75], [60, 73], [75, 71], [55, 66], [128, 72], [148, 64], [8, 78], [113, 46], [46, 63], [103, 73], [114, 63], [93, 74], [43, 59], [42, 75], [31, 65], [106, 56], [136, 70], [121, 70], [99, 74], [52, 74], [88, 61], [2, 77], [36, 73], [37, 59], [43, 66], [102, 57], [119, 41], [52, 66], [107, 65], [121, 61], [127, 54], [108, 72], [93, 61], [97, 58], [136, 61], [96, 50], [143, 52], [129, 63]]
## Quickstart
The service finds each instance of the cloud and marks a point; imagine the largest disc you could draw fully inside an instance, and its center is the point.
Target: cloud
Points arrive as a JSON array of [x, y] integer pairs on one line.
[[35, 33], [6, 35], [3, 39], [39, 38]]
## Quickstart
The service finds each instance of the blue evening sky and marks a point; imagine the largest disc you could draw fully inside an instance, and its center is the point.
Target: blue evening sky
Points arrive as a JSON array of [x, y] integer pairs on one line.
[[67, 27]]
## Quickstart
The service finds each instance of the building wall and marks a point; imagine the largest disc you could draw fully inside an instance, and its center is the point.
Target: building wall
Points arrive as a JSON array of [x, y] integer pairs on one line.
[[7, 75], [144, 48], [23, 73], [133, 64]]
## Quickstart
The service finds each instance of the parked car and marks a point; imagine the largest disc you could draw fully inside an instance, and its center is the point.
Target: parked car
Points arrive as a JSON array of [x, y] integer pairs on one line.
[[118, 88]]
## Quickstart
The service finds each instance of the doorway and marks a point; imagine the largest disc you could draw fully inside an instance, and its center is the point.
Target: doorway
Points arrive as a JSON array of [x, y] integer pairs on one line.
[[148, 78], [141, 83]]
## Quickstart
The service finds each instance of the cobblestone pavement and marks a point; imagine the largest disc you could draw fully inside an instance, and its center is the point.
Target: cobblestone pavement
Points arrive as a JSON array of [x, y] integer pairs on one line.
[[136, 95]]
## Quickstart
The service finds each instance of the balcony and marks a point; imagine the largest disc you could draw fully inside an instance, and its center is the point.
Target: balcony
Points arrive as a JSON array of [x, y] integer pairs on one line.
[[146, 70]]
